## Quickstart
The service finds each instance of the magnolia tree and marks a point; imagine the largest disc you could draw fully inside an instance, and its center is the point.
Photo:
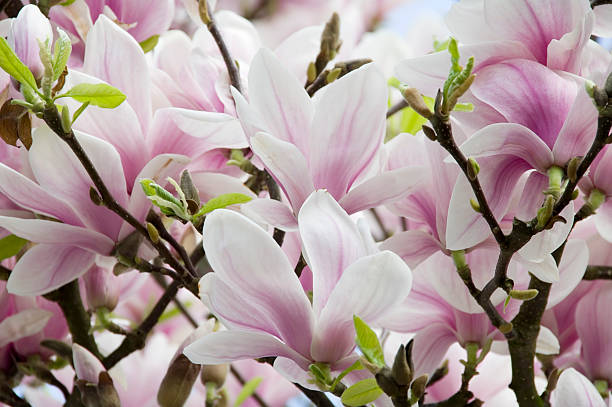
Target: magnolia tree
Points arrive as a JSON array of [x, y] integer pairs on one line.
[[243, 202]]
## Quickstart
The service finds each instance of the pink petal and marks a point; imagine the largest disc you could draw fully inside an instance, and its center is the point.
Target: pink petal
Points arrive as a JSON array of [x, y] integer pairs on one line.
[[603, 20], [534, 22], [46, 231], [532, 196], [228, 346], [151, 17], [247, 259], [287, 165], [384, 188], [347, 129], [29, 26], [413, 246], [331, 243], [57, 169], [498, 177], [531, 95], [23, 324], [86, 366], [211, 185], [192, 133], [430, 346], [282, 102], [571, 269], [109, 50], [604, 220], [296, 50], [271, 212], [27, 194], [46, 267], [368, 288], [566, 53], [573, 389]]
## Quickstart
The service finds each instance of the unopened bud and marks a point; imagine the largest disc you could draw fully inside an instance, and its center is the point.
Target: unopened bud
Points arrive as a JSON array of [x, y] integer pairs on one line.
[[177, 383], [575, 194], [86, 366], [192, 195], [608, 85], [600, 96], [333, 75], [106, 390], [572, 168], [418, 387], [523, 295], [101, 288], [506, 328], [66, 120], [203, 10], [386, 383], [215, 374], [153, 232], [472, 169], [400, 370], [430, 133], [475, 205], [95, 196], [416, 102], [311, 72], [545, 212]]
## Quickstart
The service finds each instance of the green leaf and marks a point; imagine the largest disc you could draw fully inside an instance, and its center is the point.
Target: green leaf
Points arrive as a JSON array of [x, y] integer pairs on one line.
[[355, 366], [61, 53], [67, 3], [464, 107], [368, 343], [163, 199], [98, 94], [247, 390], [10, 246], [150, 43], [361, 393], [9, 61], [321, 372], [222, 201]]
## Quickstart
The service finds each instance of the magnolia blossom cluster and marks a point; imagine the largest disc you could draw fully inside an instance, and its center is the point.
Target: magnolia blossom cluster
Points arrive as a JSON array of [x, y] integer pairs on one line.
[[204, 203]]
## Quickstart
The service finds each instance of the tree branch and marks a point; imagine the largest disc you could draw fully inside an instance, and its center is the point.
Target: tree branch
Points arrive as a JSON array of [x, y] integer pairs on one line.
[[317, 397], [399, 106], [598, 273], [135, 340]]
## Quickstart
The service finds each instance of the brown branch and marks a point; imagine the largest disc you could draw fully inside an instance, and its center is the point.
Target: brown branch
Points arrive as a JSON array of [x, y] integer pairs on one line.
[[136, 339], [598, 273], [8, 396], [318, 398], [399, 106], [274, 191]]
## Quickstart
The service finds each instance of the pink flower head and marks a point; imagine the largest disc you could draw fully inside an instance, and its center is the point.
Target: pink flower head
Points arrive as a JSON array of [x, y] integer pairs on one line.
[[256, 294]]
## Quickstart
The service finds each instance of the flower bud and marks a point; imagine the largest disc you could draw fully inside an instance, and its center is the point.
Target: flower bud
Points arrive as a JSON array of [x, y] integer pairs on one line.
[[86, 366], [214, 374], [418, 386], [400, 370], [523, 295], [30, 27], [472, 169], [101, 288], [153, 232], [386, 383], [177, 383], [415, 101]]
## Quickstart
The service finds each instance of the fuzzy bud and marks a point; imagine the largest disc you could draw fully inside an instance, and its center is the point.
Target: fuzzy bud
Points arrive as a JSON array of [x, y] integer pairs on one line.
[[102, 291], [400, 370], [215, 374], [416, 102], [418, 386], [177, 383], [523, 295]]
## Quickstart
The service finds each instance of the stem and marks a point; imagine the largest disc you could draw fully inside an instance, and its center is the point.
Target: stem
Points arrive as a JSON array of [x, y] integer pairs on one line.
[[274, 191], [402, 104], [179, 305], [8, 396], [598, 273], [230, 64], [318, 398], [135, 340], [68, 297]]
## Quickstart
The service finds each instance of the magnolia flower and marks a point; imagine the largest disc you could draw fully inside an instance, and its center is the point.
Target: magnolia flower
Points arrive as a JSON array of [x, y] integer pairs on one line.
[[29, 29], [573, 389], [256, 294], [332, 141]]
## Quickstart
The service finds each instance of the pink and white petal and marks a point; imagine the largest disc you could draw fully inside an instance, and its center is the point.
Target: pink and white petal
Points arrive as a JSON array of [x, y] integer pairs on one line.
[[571, 269], [573, 389], [368, 288], [430, 346], [534, 22], [158, 169], [27, 194], [27, 29], [192, 133], [46, 267], [578, 131], [151, 17], [51, 232], [271, 212], [604, 220], [293, 372], [228, 346], [600, 171], [347, 129], [565, 54], [250, 119], [547, 241], [509, 139], [603, 20], [331, 242], [532, 95], [287, 165], [466, 21], [296, 51], [282, 102], [546, 342], [413, 246], [57, 169], [246, 257], [212, 184], [109, 50], [86, 365], [118, 126], [387, 187], [532, 197], [499, 178], [25, 323]]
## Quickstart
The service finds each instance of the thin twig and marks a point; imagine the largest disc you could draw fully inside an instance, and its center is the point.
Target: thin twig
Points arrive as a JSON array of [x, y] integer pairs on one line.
[[135, 340], [598, 273], [164, 234], [402, 104], [274, 191], [318, 398], [179, 305]]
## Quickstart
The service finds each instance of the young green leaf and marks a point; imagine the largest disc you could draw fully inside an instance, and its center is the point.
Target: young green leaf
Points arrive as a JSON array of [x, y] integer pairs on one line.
[[361, 393], [150, 43], [61, 53], [10, 246], [10, 63], [368, 342], [99, 94], [355, 366], [247, 391], [222, 201]]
